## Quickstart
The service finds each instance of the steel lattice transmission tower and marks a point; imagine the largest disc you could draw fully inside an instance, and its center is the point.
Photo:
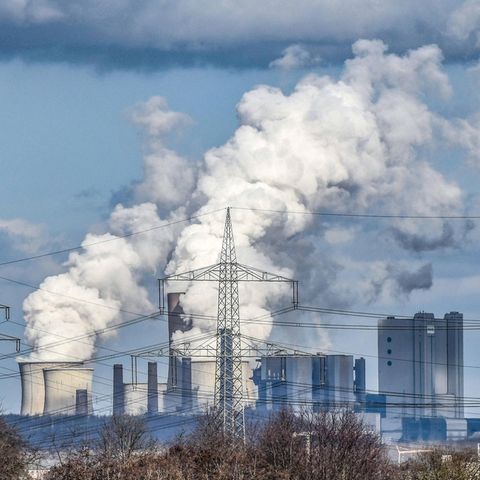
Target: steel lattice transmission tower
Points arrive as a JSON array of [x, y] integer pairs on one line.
[[228, 369], [228, 353]]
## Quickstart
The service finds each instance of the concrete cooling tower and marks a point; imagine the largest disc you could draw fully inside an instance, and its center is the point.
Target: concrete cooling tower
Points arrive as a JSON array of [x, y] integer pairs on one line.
[[203, 382], [34, 392], [61, 386]]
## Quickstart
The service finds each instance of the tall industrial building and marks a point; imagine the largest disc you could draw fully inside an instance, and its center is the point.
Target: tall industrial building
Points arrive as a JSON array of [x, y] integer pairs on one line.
[[420, 365]]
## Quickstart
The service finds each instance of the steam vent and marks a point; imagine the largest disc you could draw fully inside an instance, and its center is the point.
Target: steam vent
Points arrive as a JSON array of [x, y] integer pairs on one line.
[[55, 388]]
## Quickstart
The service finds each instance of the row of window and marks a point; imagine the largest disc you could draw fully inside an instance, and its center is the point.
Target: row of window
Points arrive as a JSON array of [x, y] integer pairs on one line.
[[389, 351]]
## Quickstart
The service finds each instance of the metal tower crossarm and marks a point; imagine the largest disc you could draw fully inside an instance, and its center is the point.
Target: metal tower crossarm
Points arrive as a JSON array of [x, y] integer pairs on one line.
[[6, 310], [9, 338], [212, 273]]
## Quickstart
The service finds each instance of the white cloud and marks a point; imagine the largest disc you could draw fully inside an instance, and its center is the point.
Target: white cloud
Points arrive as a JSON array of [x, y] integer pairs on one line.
[[25, 236], [351, 144], [209, 25], [295, 56], [168, 178], [336, 236], [465, 20]]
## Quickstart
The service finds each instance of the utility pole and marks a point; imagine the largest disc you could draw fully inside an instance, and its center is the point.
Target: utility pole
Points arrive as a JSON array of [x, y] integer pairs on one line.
[[228, 353], [8, 338]]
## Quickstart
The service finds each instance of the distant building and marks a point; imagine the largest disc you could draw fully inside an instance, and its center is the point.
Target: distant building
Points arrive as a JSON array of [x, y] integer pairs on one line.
[[420, 365], [310, 381]]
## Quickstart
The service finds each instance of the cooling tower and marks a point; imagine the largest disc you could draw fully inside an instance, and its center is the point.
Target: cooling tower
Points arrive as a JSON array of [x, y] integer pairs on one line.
[[135, 397], [61, 385], [203, 382], [33, 384]]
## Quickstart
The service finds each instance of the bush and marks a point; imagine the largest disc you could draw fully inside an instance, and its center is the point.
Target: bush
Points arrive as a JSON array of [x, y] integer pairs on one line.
[[443, 464]]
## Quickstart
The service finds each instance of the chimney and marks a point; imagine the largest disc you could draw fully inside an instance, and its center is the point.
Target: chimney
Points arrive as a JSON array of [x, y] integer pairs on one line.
[[81, 402], [118, 400], [152, 395]]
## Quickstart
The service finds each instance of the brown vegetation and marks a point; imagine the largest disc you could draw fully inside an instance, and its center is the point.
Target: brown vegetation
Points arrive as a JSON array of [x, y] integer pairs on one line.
[[325, 446], [321, 446], [14, 455]]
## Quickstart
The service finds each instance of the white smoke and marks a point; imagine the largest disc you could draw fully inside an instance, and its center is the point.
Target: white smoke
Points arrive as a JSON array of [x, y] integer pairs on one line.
[[346, 145], [105, 276]]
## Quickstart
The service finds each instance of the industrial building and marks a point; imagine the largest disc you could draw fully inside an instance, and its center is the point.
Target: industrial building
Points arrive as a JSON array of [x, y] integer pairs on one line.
[[55, 388], [420, 367], [420, 374], [303, 381]]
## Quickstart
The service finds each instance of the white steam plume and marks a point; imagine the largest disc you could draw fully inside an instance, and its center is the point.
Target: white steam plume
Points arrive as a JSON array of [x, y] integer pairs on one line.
[[346, 145], [108, 274]]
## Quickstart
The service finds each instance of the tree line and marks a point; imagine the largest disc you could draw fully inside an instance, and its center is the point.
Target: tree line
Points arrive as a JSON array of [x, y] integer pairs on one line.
[[288, 446]]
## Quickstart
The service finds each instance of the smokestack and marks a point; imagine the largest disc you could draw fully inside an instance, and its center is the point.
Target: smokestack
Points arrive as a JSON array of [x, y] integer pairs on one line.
[[175, 324], [175, 312], [118, 391], [81, 402], [360, 375], [33, 384], [360, 384], [61, 385], [152, 401]]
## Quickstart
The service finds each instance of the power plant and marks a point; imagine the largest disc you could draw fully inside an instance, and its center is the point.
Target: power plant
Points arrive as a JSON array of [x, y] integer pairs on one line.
[[420, 370]]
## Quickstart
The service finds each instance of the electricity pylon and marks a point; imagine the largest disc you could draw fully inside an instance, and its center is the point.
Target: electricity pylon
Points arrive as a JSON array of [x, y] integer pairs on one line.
[[228, 400], [8, 338]]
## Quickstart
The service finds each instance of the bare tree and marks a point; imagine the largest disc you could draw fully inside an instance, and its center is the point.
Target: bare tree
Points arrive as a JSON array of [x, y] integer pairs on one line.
[[123, 436], [323, 446], [14, 455], [443, 464]]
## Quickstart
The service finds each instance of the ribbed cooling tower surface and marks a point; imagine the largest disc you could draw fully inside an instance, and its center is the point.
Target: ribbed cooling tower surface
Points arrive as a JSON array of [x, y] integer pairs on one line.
[[203, 382], [61, 385], [135, 396], [33, 384]]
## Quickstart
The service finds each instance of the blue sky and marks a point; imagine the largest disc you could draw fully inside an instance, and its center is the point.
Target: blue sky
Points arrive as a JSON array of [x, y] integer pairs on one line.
[[70, 149]]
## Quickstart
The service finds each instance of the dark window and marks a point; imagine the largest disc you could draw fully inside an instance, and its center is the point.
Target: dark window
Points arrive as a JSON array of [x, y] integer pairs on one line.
[[389, 351], [389, 363], [389, 339]]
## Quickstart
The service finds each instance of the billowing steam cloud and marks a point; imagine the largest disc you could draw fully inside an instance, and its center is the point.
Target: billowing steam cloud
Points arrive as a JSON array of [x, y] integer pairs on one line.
[[346, 145], [106, 275]]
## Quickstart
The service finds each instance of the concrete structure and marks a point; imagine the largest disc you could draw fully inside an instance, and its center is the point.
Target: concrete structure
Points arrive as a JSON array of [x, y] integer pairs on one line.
[[118, 400], [61, 385], [135, 398], [82, 403], [176, 323], [152, 390], [202, 384], [303, 381], [33, 384], [420, 366], [338, 390], [138, 398]]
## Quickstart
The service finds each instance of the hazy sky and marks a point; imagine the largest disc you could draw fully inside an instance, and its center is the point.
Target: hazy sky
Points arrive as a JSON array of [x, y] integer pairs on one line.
[[95, 94]]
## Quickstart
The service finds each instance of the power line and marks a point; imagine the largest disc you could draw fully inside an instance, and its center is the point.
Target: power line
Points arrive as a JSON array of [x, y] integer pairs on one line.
[[117, 237], [362, 215]]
